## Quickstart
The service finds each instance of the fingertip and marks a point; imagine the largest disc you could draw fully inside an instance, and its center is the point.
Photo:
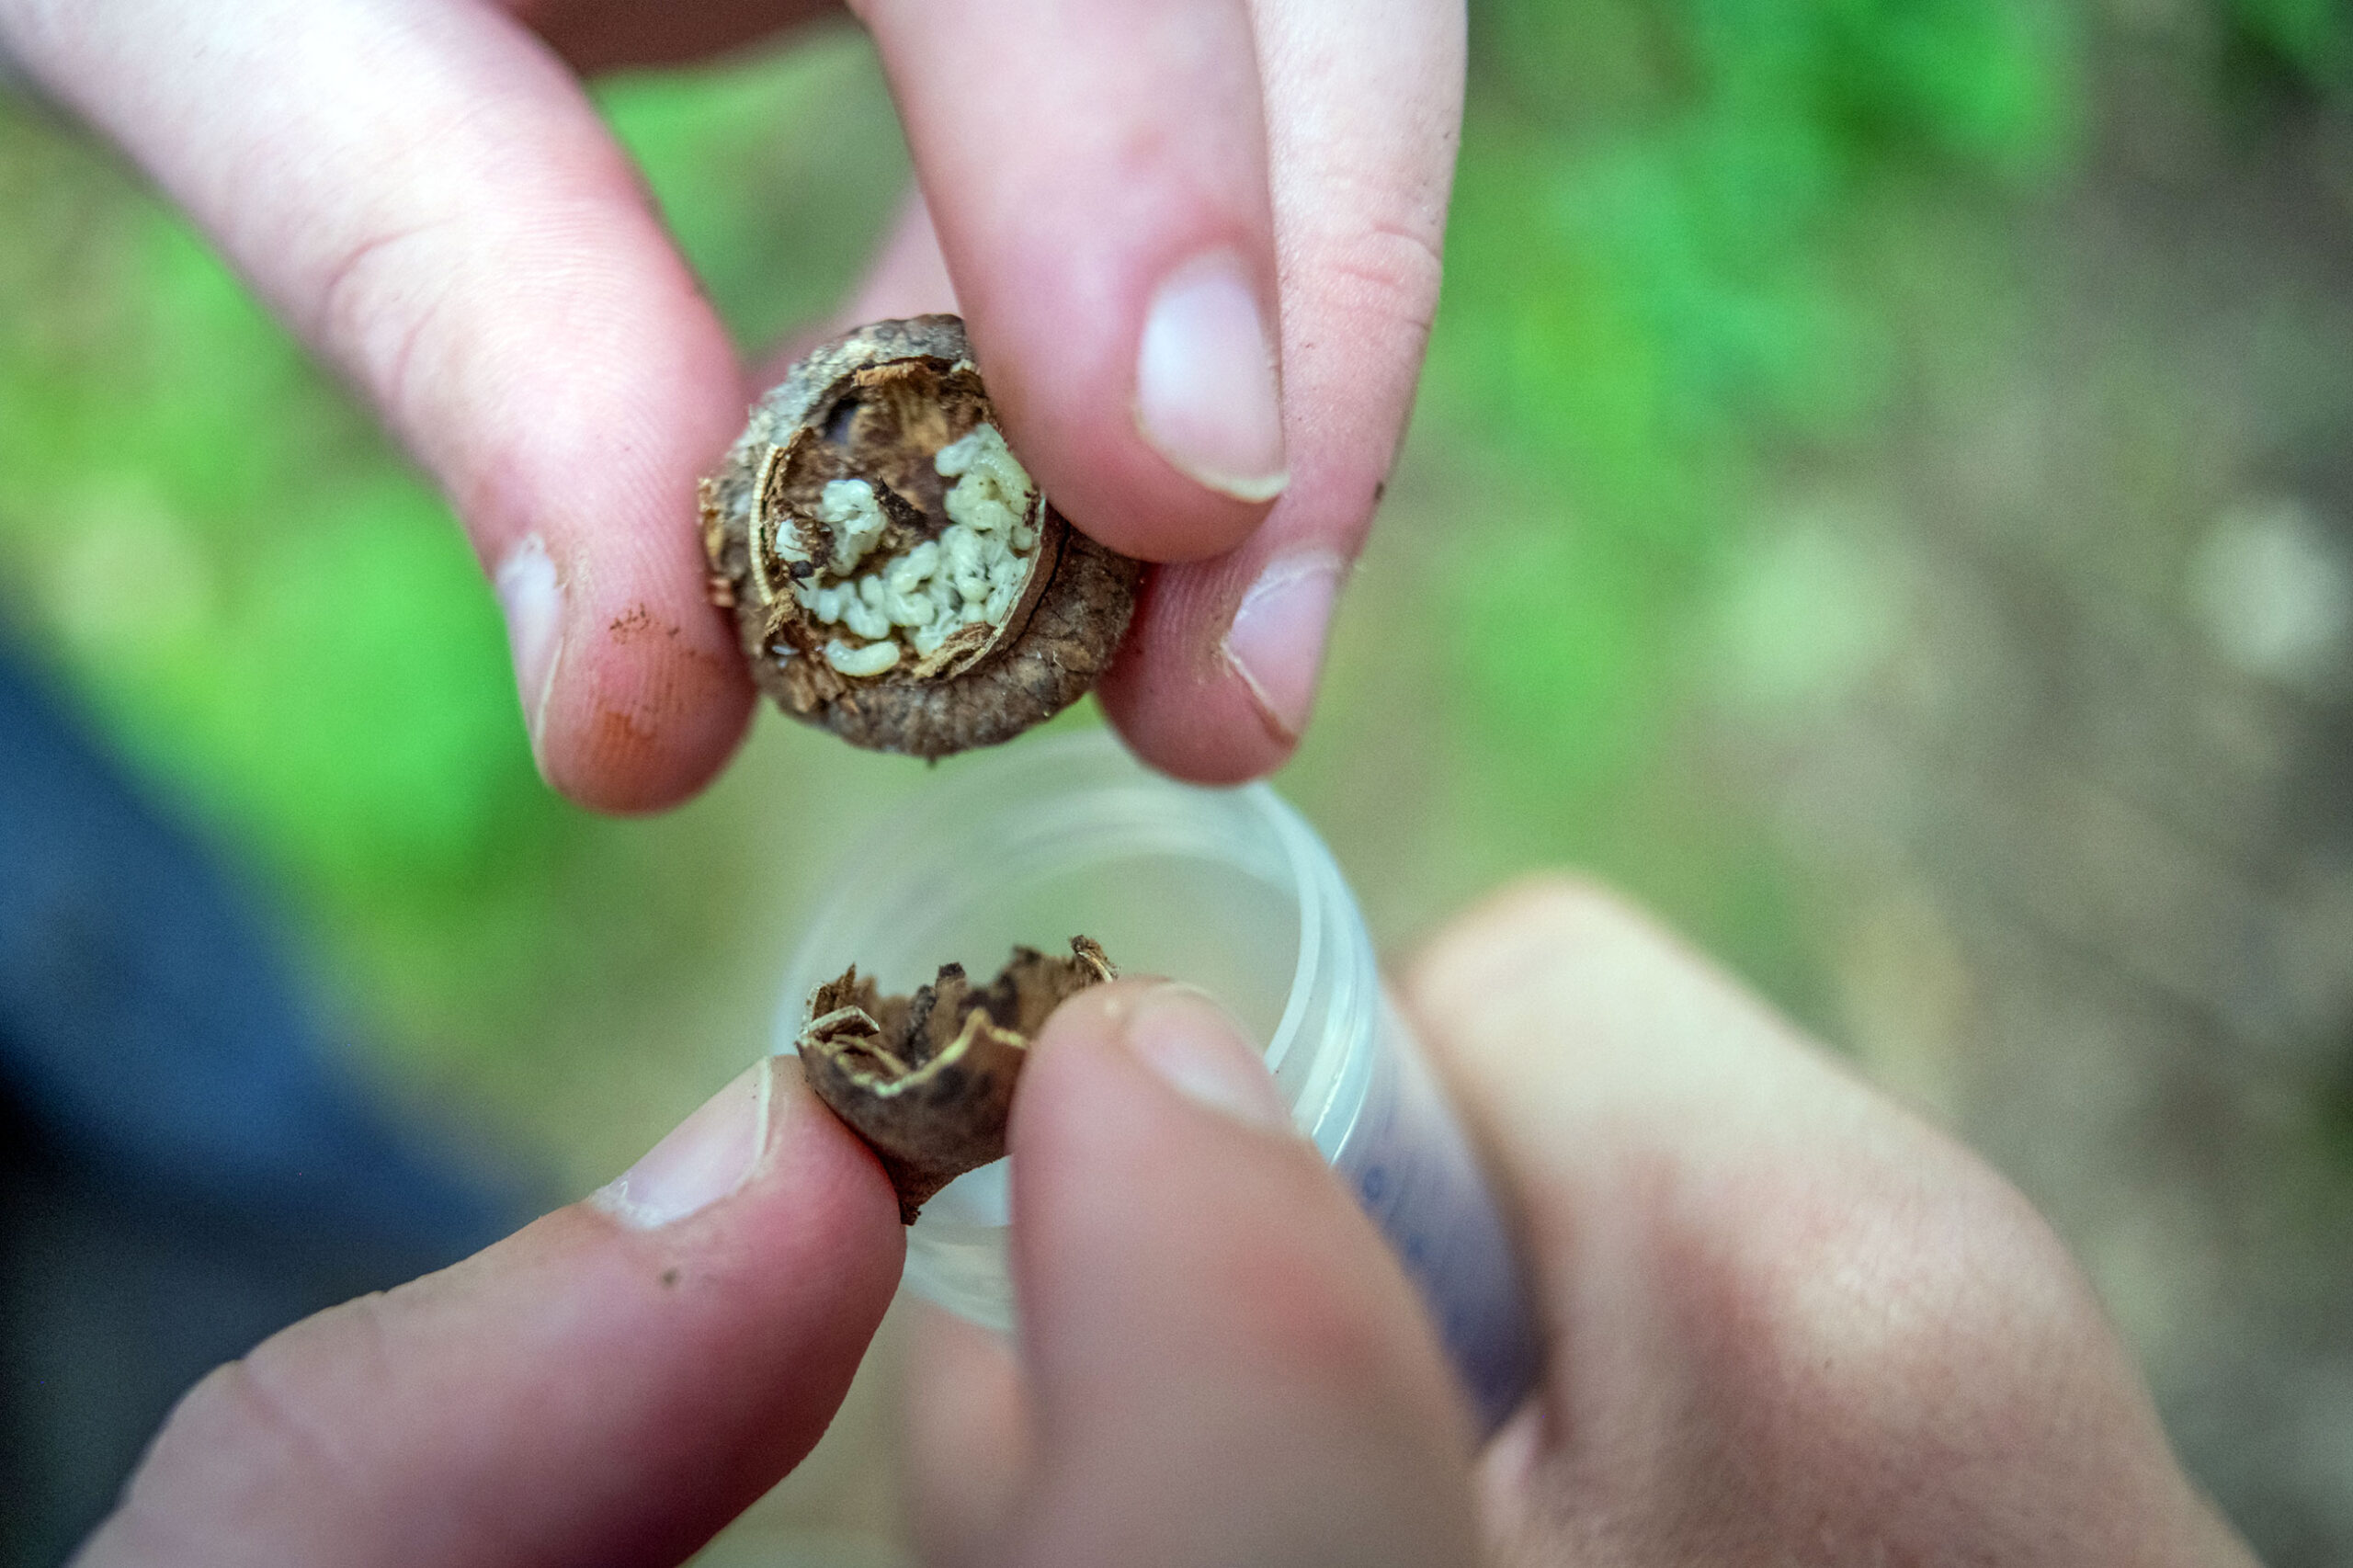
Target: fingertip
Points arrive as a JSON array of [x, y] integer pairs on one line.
[[1180, 1249], [1082, 432], [1208, 729], [1079, 1085], [1120, 510], [642, 702], [1097, 1089], [1104, 211], [1183, 700], [1531, 926], [1208, 387], [834, 1164], [633, 688], [1090, 1018], [618, 764], [1164, 1197], [1180, 1034]]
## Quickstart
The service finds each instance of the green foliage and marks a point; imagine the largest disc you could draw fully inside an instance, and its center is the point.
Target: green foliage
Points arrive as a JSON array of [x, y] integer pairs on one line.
[[1655, 297], [2313, 40], [775, 177], [1662, 281]]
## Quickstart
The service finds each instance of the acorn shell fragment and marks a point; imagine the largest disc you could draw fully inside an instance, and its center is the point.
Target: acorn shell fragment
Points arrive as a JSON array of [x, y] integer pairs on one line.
[[927, 1080], [894, 574]]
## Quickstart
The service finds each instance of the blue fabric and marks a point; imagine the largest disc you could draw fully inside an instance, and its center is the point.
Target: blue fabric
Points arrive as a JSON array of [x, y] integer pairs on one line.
[[148, 1030], [183, 1169]]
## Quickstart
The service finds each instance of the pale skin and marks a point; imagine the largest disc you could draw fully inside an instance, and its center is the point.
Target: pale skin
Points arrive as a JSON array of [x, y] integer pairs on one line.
[[1786, 1321], [422, 190]]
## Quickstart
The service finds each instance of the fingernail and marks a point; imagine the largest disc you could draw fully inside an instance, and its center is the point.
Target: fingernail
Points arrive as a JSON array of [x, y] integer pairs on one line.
[[533, 601], [1207, 394], [1200, 1052], [705, 1157], [1276, 644]]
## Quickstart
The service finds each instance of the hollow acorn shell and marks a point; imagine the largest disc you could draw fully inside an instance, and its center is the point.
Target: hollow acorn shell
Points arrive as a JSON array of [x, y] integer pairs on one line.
[[1058, 638]]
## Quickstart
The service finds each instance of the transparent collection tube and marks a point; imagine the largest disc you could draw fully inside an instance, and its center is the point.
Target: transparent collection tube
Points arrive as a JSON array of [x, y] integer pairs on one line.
[[1232, 891]]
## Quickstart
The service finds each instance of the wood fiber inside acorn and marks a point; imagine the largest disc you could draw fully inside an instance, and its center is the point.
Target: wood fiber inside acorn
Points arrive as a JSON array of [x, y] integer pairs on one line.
[[895, 572], [926, 1080]]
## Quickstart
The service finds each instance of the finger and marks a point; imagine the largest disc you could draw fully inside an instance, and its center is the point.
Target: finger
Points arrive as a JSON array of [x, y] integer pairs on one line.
[[1097, 169], [1799, 1315], [908, 275], [967, 1435], [609, 1385], [906, 278], [1583, 1037], [1226, 1364], [421, 188], [1363, 102]]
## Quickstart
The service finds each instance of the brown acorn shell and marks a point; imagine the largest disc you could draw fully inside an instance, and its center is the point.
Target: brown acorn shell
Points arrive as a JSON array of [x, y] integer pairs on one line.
[[926, 1080], [878, 404]]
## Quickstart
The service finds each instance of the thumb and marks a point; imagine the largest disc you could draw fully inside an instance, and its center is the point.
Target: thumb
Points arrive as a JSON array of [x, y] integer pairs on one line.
[[1226, 1364], [612, 1384]]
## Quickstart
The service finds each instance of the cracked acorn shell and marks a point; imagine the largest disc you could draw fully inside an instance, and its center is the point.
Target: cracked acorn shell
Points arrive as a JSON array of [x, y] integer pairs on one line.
[[926, 1080], [874, 612]]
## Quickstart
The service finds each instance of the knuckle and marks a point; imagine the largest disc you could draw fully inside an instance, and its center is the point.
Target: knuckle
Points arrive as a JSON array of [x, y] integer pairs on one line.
[[1385, 273], [235, 1435], [1569, 908], [271, 1409], [371, 315], [1942, 1292], [1530, 929], [231, 1410]]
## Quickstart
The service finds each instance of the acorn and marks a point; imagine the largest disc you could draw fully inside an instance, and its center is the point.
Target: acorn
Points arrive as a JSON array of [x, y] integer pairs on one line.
[[926, 1080], [896, 574]]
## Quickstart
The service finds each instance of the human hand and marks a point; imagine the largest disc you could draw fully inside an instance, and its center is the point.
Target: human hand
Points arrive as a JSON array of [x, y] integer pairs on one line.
[[609, 1385], [1786, 1321], [421, 188]]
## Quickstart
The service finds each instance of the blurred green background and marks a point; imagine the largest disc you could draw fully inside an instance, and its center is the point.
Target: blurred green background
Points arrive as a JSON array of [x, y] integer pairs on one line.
[[1880, 495]]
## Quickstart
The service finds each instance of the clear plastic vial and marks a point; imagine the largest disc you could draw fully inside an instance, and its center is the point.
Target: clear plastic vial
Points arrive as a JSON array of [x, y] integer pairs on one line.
[[1232, 891]]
